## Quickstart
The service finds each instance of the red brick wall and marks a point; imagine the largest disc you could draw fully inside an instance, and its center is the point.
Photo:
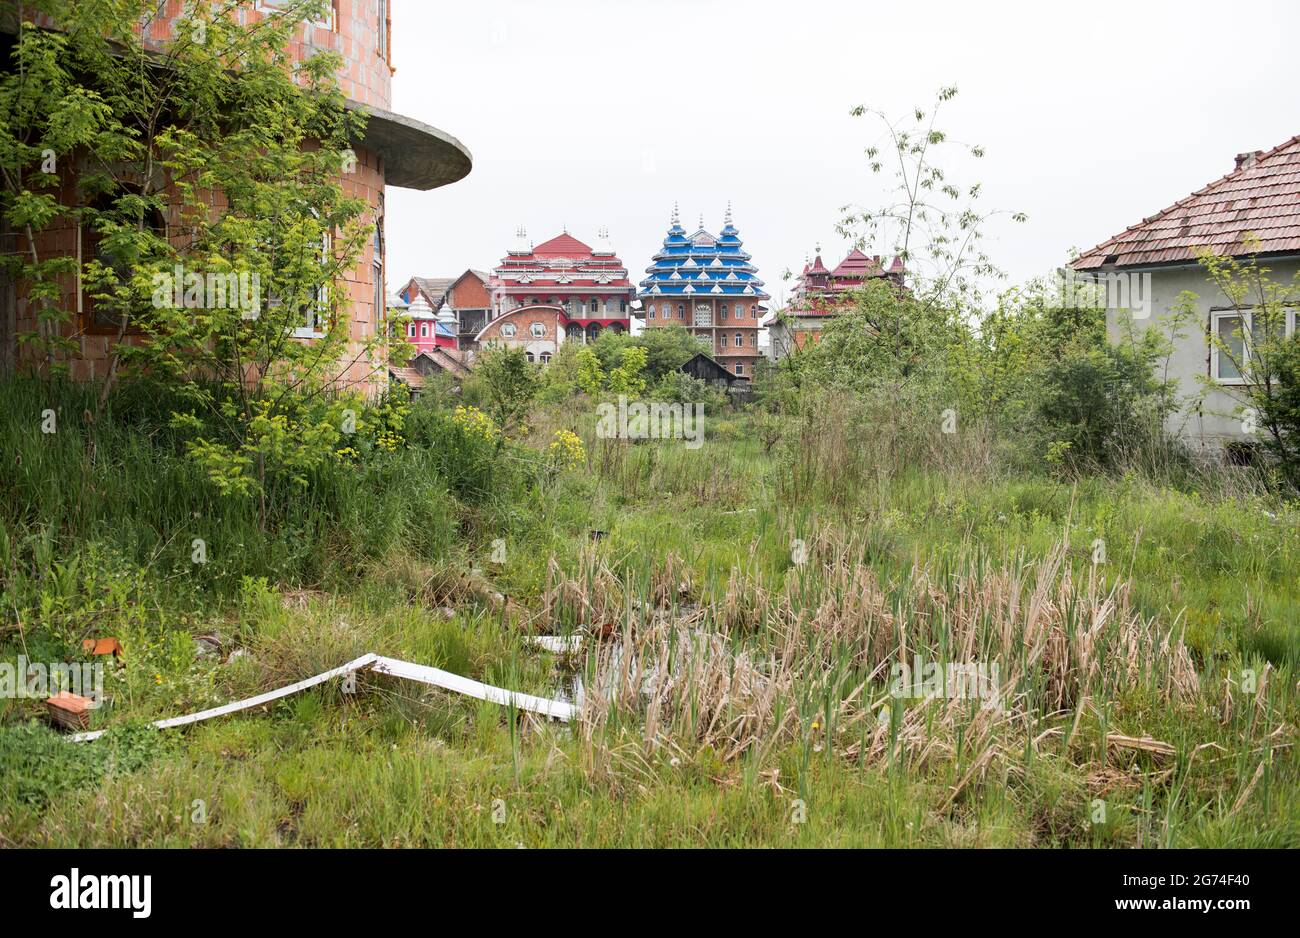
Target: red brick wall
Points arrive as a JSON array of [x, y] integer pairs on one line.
[[522, 319], [91, 360], [470, 293], [366, 77], [742, 316]]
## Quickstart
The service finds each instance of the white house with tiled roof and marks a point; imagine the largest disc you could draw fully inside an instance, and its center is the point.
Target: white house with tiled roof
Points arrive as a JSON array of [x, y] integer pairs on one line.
[[1142, 272]]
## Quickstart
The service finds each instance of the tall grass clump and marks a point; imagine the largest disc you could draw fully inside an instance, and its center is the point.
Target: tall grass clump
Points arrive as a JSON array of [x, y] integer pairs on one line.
[[126, 482]]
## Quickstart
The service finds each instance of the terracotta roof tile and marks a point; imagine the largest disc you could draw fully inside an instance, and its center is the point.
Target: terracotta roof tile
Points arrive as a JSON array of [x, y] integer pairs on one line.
[[1260, 197]]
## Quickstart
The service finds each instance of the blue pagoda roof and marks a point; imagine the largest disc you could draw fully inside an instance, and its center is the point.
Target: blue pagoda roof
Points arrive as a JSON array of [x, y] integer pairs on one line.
[[702, 264]]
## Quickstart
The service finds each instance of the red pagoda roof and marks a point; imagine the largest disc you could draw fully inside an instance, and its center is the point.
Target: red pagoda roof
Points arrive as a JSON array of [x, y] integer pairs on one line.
[[824, 298], [566, 245], [562, 266], [857, 264]]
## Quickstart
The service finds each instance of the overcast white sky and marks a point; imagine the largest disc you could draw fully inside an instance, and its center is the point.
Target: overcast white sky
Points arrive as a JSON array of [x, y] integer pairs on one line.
[[604, 112]]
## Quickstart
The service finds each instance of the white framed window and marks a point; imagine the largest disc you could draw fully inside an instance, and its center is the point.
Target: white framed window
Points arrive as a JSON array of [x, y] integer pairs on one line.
[[740, 368], [1226, 326], [538, 329], [508, 330], [594, 306], [410, 331], [681, 311], [530, 356], [279, 6], [424, 330], [377, 272], [724, 310], [740, 340], [652, 311], [1231, 328], [314, 321], [546, 358]]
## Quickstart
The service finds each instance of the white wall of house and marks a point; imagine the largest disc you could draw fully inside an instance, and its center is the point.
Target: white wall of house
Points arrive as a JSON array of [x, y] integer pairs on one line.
[[1212, 416]]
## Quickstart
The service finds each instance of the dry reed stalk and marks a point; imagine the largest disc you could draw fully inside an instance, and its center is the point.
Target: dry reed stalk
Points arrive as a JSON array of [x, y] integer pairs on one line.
[[732, 675]]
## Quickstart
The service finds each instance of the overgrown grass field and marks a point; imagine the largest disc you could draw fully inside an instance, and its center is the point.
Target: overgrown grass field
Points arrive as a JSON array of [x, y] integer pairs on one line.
[[741, 607]]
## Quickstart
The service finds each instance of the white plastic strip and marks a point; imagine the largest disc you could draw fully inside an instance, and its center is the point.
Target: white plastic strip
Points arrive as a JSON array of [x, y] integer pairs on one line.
[[561, 644], [463, 685], [414, 672]]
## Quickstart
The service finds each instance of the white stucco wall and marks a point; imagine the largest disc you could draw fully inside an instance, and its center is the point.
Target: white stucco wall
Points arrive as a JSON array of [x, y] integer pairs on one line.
[[1208, 418]]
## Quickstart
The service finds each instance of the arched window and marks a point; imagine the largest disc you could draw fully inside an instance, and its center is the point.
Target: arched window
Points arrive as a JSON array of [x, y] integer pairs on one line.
[[546, 358], [530, 356], [652, 311], [724, 310], [424, 330], [740, 340], [681, 311], [595, 305]]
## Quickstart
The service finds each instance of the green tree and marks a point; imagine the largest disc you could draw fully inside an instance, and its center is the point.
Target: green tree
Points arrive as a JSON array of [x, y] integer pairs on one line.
[[208, 166], [933, 224], [509, 383], [666, 348], [629, 377], [590, 376]]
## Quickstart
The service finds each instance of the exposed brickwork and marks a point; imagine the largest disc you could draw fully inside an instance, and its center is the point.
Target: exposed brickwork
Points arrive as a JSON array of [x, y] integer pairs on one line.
[[470, 292], [366, 77], [550, 318]]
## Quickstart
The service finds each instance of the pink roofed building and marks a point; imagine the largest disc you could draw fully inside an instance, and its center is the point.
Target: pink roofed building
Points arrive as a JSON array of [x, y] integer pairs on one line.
[[427, 330], [560, 290], [821, 293]]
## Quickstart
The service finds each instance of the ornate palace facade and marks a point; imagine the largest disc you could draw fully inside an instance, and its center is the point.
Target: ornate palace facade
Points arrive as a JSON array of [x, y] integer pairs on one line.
[[707, 284]]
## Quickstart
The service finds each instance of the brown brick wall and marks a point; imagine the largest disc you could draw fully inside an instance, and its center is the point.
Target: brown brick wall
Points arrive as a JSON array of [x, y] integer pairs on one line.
[[747, 308], [470, 293], [94, 343], [522, 319]]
